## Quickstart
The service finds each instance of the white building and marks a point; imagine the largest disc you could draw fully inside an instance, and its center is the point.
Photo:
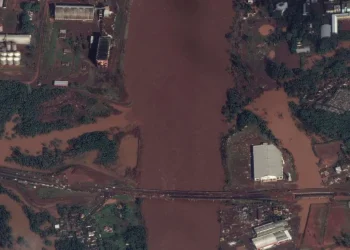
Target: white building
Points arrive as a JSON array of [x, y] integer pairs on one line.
[[267, 163], [61, 83], [282, 6], [336, 18], [305, 49], [17, 38], [271, 234]]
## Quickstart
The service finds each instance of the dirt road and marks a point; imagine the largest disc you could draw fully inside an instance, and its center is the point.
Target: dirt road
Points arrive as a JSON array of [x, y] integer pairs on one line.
[[175, 75]]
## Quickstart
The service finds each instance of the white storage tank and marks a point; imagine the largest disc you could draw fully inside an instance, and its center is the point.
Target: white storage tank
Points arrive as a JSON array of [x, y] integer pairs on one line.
[[17, 54], [14, 46], [8, 46], [17, 60], [3, 54], [10, 54], [9, 60], [3, 60]]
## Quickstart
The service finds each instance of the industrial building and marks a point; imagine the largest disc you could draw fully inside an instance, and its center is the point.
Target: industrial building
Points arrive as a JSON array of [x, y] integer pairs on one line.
[[305, 49], [267, 163], [102, 54], [271, 234], [16, 38], [74, 12]]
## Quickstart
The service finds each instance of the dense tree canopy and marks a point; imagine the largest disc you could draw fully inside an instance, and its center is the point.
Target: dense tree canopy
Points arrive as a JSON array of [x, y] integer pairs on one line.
[[5, 229]]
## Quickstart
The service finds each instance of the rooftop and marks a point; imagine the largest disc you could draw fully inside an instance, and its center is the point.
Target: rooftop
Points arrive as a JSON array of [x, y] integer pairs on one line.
[[267, 161]]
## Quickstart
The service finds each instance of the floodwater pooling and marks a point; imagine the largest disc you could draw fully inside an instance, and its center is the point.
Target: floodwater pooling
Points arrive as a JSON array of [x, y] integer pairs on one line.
[[175, 74]]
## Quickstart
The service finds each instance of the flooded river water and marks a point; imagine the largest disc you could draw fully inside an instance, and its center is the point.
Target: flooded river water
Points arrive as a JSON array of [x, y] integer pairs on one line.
[[175, 74]]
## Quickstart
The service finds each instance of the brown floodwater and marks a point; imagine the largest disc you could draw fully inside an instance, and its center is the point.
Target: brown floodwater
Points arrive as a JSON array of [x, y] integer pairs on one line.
[[175, 74], [272, 106]]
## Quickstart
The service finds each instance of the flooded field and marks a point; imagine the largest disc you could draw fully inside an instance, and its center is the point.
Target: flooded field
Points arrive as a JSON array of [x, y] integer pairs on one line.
[[272, 106], [175, 75], [20, 225]]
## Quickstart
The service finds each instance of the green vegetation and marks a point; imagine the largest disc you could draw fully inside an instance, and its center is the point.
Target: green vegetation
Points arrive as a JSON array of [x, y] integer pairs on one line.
[[48, 193], [5, 229], [327, 44], [64, 210], [9, 193], [239, 67], [278, 71], [20, 240], [38, 220], [66, 243], [30, 6], [234, 103], [26, 23], [49, 158], [247, 118], [47, 242], [343, 240], [306, 81], [125, 220], [96, 141]]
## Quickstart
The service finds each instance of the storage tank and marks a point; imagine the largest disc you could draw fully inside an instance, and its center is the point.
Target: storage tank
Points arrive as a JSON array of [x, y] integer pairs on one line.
[[8, 46], [3, 60], [9, 60], [17, 60], [3, 54], [14, 46], [17, 54], [10, 54]]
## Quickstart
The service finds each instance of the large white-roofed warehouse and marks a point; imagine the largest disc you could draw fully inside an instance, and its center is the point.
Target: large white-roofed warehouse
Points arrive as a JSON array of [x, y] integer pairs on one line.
[[74, 12], [267, 163]]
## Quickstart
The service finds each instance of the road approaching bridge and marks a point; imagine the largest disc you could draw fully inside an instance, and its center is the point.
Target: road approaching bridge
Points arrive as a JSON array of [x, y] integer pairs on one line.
[[48, 180]]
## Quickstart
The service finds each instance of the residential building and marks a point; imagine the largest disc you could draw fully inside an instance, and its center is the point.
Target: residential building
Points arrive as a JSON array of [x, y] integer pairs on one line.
[[61, 83], [267, 163], [271, 234], [75, 12], [305, 49]]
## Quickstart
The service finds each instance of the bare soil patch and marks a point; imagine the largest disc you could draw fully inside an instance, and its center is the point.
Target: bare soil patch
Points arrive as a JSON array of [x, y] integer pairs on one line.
[[266, 29], [272, 106], [271, 55], [177, 98], [327, 153]]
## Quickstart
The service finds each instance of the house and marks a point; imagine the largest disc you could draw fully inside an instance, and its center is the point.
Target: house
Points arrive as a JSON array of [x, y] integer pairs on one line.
[[62, 34], [102, 54], [61, 83], [305, 49], [267, 163], [271, 234], [77, 12]]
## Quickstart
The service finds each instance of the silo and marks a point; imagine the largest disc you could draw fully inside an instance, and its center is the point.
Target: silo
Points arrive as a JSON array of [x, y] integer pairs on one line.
[[17, 60], [3, 60], [10, 54], [3, 54], [9, 60], [14, 46], [8, 46], [17, 54]]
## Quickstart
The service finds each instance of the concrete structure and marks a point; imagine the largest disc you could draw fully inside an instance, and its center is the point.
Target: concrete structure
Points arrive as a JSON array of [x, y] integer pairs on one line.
[[326, 30], [9, 60], [2, 4], [282, 6], [267, 163], [102, 54], [17, 38], [17, 54], [336, 18], [271, 234], [305, 49], [61, 83], [74, 12]]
